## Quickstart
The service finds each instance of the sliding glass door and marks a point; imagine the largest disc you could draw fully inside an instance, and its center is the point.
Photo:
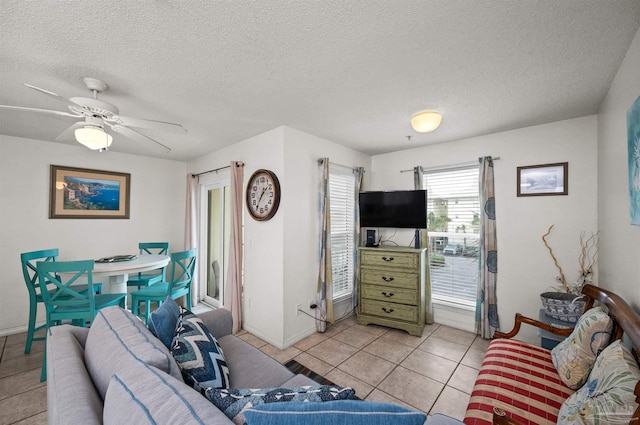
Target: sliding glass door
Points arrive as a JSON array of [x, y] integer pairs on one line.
[[215, 220]]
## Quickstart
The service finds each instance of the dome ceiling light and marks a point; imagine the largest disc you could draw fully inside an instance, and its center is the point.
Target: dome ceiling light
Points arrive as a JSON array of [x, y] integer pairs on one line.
[[426, 121]]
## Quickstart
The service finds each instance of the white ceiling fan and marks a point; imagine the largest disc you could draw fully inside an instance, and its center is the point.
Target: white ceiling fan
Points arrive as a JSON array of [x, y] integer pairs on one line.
[[97, 115]]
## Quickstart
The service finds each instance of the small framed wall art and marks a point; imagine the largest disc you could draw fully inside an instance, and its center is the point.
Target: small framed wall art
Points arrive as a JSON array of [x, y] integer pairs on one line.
[[83, 193], [543, 180]]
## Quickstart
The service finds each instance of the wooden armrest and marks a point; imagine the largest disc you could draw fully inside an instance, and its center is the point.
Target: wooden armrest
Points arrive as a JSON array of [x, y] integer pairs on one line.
[[500, 418], [523, 319]]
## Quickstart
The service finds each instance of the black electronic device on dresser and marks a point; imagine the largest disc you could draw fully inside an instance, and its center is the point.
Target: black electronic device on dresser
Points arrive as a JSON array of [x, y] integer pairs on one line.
[[403, 209], [371, 238]]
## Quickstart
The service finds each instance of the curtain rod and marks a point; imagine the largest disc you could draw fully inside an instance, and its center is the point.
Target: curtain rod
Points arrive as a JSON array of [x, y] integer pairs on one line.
[[447, 167], [215, 170]]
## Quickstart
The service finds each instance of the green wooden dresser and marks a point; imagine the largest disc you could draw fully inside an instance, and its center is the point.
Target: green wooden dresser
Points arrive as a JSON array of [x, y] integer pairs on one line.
[[392, 288]]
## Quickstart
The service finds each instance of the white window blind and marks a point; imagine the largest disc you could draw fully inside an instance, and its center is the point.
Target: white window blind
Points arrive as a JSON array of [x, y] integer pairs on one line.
[[342, 203], [453, 209]]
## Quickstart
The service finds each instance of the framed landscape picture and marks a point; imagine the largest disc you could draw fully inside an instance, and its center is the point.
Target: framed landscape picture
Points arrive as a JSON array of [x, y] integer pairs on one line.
[[633, 135], [83, 193], [545, 179]]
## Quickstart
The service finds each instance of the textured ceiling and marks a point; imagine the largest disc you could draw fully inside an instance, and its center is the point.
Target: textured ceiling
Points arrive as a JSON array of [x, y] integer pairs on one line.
[[350, 71]]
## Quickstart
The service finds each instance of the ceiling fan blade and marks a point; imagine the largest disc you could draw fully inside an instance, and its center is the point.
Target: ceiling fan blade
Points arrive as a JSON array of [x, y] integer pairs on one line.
[[48, 93], [41, 111], [149, 124], [68, 135], [134, 135]]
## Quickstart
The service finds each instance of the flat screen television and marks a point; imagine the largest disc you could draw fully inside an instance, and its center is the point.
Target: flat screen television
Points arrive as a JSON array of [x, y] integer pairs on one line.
[[401, 208]]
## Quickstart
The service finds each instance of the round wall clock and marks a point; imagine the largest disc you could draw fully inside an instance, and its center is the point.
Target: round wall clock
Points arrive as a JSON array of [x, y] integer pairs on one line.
[[263, 195]]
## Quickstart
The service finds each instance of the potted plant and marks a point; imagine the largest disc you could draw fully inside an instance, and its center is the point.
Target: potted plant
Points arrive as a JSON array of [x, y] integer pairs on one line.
[[566, 303]]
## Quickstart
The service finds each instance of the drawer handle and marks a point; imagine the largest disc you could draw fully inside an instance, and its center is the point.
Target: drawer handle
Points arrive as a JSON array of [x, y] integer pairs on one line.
[[387, 279], [388, 294], [387, 310], [387, 258]]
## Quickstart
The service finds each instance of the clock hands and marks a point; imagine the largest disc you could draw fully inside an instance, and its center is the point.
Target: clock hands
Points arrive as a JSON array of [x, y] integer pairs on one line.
[[261, 195]]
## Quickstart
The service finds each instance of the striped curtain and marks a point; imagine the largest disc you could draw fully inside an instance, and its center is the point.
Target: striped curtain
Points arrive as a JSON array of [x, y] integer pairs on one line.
[[358, 172], [418, 179], [324, 295], [487, 306]]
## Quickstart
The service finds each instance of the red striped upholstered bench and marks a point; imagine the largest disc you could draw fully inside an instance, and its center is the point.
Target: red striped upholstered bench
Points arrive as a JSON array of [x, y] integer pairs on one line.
[[518, 383]]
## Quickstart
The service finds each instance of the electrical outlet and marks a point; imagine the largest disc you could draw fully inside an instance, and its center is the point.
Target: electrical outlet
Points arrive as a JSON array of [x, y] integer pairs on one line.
[[298, 308], [312, 305]]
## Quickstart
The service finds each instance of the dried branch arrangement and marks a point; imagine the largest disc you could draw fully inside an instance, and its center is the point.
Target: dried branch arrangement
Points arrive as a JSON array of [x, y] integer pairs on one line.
[[587, 259]]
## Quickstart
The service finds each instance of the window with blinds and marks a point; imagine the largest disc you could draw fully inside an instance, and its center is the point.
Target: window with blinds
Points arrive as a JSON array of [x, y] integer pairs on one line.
[[342, 204], [453, 210]]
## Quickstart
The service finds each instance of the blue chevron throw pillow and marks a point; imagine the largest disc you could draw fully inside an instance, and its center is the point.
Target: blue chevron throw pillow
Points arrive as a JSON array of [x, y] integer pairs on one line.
[[198, 354]]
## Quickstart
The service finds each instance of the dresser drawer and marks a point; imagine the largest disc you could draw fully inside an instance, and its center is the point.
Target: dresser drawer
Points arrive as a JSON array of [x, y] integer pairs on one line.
[[388, 278], [386, 294], [389, 259], [390, 310]]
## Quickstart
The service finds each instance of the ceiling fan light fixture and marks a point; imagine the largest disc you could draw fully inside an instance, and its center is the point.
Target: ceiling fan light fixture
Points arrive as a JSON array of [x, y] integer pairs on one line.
[[426, 121], [93, 137]]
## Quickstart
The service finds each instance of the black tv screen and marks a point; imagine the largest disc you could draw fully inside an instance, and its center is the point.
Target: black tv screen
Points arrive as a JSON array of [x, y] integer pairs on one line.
[[401, 208]]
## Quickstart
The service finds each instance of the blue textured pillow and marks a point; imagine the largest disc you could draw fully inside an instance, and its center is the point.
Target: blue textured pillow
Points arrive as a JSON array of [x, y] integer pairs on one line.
[[345, 412], [162, 322], [233, 402], [198, 354]]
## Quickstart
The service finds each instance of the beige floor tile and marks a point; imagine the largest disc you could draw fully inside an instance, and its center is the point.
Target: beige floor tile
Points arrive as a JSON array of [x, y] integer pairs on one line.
[[473, 358], [382, 397], [454, 335], [39, 419], [389, 349], [412, 388], [430, 329], [427, 364], [372, 329], [311, 340], [451, 402], [443, 348], [404, 338], [481, 344], [282, 356], [313, 363], [367, 367], [343, 379], [355, 337], [336, 328], [332, 351], [21, 364], [252, 339], [23, 406], [20, 383], [349, 321], [463, 378]]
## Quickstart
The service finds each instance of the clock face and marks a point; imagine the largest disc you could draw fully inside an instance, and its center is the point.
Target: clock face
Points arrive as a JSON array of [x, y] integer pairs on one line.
[[263, 195]]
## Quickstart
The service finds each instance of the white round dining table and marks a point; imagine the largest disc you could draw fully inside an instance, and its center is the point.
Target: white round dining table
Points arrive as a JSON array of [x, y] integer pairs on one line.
[[118, 271]]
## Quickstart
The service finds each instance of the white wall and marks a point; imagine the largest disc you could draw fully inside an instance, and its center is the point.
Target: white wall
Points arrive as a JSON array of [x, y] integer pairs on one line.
[[619, 240], [280, 255], [157, 213], [525, 268]]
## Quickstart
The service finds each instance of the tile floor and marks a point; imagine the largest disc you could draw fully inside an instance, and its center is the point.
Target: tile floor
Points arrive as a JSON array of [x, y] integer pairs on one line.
[[433, 373]]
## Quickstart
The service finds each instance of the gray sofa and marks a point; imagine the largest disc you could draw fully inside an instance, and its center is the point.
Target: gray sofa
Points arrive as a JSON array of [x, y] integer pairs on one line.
[[117, 372]]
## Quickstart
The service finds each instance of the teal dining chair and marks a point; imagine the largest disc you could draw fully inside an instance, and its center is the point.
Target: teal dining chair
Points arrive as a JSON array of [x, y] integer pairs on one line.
[[65, 301], [30, 274], [181, 271], [146, 279]]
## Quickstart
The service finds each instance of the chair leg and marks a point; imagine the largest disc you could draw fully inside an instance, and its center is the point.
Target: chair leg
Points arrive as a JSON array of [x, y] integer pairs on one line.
[[189, 300], [33, 305], [43, 372]]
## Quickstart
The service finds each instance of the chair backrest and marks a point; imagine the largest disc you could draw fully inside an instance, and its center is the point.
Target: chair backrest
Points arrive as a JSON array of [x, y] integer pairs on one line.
[[160, 248], [182, 266], [62, 274], [29, 271]]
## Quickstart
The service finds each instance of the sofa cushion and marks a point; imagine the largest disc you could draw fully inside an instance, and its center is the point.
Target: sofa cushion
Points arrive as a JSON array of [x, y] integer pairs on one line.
[[233, 401], [519, 378], [345, 412], [574, 357], [162, 322], [608, 396], [119, 341], [257, 369], [150, 396], [198, 354]]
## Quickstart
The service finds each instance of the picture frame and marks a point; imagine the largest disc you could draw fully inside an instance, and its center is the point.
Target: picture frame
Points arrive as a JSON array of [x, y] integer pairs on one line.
[[84, 193], [543, 179]]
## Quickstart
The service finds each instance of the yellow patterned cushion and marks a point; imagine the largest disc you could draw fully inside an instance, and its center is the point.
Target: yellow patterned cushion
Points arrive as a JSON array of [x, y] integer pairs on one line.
[[607, 397], [574, 357]]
